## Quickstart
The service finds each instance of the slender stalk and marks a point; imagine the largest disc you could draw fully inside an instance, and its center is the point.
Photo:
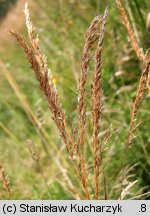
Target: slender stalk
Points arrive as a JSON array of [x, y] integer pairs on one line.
[[44, 178]]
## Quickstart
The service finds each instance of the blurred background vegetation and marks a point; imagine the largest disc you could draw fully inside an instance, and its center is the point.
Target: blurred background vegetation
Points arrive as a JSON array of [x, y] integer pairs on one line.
[[61, 26], [5, 5]]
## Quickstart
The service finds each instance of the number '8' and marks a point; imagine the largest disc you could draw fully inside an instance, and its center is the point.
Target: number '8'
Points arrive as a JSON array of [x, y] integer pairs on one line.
[[143, 208]]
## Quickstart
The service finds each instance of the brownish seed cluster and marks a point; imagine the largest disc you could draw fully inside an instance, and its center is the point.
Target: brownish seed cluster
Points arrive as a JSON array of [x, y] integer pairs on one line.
[[76, 144], [144, 60], [5, 181], [145, 65], [33, 151]]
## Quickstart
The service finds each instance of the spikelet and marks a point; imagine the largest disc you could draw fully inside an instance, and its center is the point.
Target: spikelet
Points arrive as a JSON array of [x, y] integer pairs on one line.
[[43, 75], [34, 153], [89, 42], [5, 181], [42, 59], [126, 190], [46, 81], [97, 97], [39, 65], [138, 100], [133, 40], [145, 65]]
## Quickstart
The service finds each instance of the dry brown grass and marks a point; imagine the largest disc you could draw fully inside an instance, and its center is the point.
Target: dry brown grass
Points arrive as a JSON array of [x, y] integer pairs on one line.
[[5, 183], [97, 97], [90, 40], [76, 144], [126, 23], [144, 59]]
